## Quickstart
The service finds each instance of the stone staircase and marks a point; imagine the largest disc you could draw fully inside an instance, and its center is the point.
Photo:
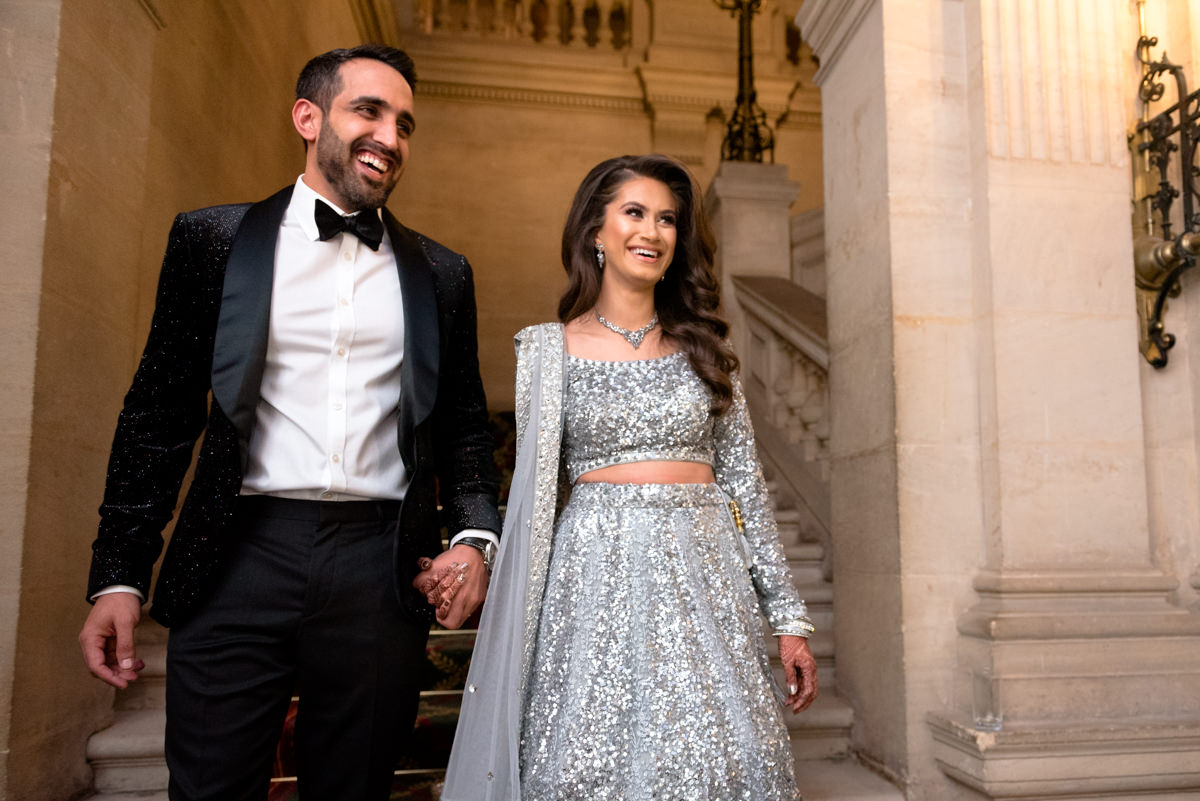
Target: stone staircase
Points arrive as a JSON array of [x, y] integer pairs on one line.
[[127, 758]]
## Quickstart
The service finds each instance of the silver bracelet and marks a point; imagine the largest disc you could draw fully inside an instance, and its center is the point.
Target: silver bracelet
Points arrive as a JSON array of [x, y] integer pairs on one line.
[[797, 627]]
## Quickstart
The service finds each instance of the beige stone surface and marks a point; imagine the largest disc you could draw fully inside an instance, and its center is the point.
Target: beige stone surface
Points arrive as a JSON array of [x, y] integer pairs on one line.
[[981, 340], [494, 182], [87, 292], [145, 125], [30, 31]]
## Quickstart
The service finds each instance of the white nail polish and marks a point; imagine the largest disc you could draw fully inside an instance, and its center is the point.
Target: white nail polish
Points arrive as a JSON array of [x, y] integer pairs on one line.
[[793, 689]]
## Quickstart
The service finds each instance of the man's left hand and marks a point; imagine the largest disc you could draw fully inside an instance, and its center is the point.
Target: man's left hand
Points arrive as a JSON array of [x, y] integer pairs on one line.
[[454, 583]]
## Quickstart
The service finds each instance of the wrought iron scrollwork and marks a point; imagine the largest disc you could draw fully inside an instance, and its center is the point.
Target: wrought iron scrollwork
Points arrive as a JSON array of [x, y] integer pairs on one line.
[[1161, 261], [747, 136]]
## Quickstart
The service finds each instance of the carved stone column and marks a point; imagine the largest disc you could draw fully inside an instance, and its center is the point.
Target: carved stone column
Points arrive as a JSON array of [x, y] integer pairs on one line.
[[1001, 617]]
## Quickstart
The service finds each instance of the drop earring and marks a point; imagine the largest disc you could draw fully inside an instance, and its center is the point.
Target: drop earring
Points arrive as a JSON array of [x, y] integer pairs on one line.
[[600, 255]]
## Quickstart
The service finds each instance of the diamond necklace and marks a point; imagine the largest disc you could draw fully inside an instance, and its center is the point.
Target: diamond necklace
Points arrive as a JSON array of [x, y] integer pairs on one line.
[[632, 337]]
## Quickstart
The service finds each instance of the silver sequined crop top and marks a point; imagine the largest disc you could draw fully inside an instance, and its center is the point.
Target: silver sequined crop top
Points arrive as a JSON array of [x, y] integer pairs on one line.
[[635, 411]]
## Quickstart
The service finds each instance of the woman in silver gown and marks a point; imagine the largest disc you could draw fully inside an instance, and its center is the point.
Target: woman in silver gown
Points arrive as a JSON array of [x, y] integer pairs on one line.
[[620, 653]]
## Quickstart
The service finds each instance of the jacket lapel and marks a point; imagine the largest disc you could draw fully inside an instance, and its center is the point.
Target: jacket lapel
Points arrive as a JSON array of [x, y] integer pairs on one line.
[[419, 371], [240, 347]]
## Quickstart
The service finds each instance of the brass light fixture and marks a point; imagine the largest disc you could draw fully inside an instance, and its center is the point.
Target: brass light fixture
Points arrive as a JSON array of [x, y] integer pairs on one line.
[[1160, 259]]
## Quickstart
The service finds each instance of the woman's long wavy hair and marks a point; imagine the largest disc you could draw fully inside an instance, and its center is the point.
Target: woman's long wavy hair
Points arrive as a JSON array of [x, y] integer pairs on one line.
[[688, 298]]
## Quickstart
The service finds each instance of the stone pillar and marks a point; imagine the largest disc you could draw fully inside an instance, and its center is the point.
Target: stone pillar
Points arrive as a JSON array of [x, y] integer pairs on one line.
[[988, 458], [28, 70], [747, 205]]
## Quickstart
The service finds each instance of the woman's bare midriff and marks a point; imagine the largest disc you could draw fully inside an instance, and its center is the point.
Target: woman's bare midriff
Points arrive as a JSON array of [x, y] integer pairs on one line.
[[651, 473]]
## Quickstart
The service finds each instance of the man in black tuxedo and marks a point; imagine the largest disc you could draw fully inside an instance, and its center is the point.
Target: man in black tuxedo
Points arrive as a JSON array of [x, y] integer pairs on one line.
[[339, 348]]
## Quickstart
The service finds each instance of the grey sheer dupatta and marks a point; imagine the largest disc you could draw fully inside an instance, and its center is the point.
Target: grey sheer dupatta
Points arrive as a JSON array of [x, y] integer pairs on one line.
[[485, 760]]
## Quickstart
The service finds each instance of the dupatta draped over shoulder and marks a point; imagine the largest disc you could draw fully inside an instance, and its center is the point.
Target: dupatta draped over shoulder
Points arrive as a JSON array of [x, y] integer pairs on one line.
[[485, 760]]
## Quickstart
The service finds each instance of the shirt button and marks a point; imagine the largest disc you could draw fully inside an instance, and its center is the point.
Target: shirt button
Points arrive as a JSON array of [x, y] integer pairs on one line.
[[337, 407], [341, 351], [343, 301], [346, 256], [336, 458], [326, 495]]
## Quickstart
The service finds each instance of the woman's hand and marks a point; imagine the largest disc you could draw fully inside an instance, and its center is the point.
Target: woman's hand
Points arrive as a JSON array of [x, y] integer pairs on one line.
[[454, 584], [799, 671]]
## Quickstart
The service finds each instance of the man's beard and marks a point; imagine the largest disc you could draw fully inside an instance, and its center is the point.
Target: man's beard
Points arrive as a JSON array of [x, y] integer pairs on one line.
[[336, 161]]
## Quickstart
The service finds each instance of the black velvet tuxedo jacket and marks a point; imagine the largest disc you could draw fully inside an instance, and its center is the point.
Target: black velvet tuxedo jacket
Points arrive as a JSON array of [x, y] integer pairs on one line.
[[209, 337]]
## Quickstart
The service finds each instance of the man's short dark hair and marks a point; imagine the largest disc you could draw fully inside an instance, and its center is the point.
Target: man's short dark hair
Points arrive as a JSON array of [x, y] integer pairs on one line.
[[320, 80]]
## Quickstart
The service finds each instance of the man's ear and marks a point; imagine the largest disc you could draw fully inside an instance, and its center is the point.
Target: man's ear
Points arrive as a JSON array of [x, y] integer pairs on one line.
[[306, 116]]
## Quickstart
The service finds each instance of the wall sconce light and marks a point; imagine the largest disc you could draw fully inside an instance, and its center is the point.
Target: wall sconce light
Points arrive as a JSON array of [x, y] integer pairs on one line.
[[1160, 259]]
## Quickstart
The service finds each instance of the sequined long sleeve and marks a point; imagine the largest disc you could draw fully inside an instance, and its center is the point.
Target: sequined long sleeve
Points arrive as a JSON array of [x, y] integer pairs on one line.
[[468, 483], [739, 473]]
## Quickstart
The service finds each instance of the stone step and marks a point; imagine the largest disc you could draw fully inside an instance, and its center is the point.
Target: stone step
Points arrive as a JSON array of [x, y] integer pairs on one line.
[[128, 755], [127, 758], [838, 779], [842, 780], [823, 730], [805, 561], [805, 552]]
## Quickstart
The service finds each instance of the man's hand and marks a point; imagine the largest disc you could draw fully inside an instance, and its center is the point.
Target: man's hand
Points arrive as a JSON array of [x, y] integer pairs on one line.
[[799, 671], [454, 583], [107, 638]]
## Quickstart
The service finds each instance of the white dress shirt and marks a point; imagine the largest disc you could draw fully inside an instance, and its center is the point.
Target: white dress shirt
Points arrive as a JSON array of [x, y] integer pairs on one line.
[[326, 425], [326, 422]]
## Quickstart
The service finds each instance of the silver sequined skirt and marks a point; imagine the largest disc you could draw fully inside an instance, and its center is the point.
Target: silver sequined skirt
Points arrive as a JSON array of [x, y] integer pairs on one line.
[[650, 679]]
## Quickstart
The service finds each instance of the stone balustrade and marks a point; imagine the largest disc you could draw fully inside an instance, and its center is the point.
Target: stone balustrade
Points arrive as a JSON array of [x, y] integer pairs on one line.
[[786, 363], [575, 24]]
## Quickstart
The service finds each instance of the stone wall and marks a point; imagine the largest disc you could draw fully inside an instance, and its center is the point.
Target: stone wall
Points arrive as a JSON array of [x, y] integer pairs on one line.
[[507, 129], [158, 106], [30, 33], [494, 181], [991, 456]]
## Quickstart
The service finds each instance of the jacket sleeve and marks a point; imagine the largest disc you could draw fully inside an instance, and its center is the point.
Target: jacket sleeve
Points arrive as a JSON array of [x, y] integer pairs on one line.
[[468, 483], [164, 413], [739, 473]]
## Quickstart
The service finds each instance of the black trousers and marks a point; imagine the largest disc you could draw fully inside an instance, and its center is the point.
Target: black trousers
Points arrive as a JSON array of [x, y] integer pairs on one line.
[[307, 597]]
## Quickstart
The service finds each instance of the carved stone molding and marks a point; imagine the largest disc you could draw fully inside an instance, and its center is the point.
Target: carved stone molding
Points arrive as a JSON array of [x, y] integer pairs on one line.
[[498, 74], [1074, 683], [1053, 81], [828, 26], [376, 20], [1107, 759], [499, 94]]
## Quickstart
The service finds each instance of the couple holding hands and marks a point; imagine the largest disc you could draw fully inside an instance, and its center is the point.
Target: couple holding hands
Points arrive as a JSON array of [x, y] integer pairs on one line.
[[620, 653]]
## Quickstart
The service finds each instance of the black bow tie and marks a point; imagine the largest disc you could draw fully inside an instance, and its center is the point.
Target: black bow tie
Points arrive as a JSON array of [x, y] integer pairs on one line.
[[366, 225]]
